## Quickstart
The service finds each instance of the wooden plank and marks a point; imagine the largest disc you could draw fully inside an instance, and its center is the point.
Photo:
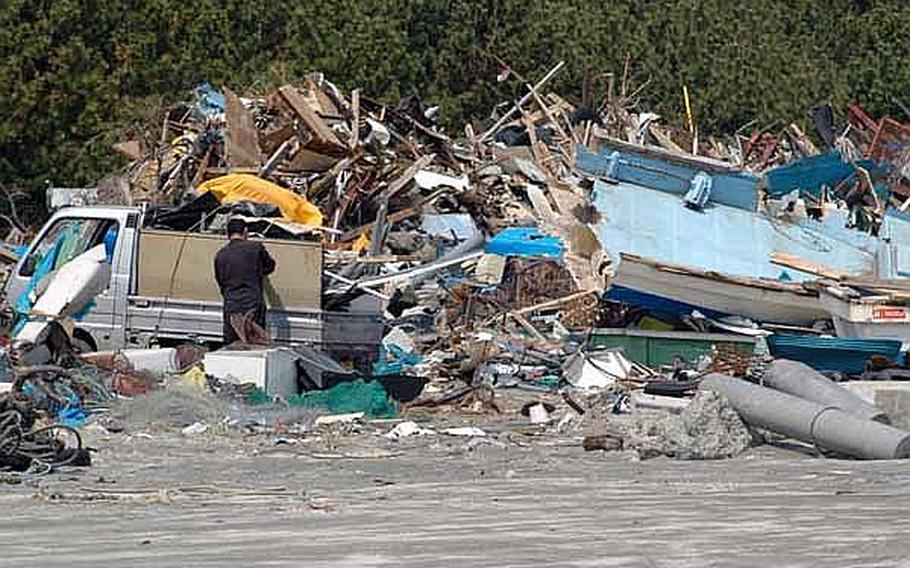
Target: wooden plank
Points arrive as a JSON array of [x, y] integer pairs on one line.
[[889, 284], [802, 140], [270, 140], [323, 137], [355, 118], [396, 216], [517, 108], [390, 219], [310, 161], [789, 260], [241, 137], [8, 257], [759, 283], [537, 116], [664, 139], [540, 203], [401, 181], [527, 326], [546, 111], [555, 303], [489, 269], [540, 151]]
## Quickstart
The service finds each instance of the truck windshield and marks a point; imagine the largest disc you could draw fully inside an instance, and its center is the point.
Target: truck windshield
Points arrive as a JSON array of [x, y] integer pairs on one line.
[[68, 238]]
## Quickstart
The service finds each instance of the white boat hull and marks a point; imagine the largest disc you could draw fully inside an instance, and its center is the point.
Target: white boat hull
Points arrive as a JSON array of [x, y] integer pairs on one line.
[[867, 318], [763, 302]]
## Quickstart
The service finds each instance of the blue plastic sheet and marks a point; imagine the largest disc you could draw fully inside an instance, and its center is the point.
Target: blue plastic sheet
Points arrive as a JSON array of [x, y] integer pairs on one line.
[[394, 361], [23, 303], [527, 242], [110, 240], [209, 101], [72, 415]]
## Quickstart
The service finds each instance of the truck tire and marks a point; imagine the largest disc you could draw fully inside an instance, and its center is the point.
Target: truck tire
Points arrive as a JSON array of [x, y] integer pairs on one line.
[[81, 345]]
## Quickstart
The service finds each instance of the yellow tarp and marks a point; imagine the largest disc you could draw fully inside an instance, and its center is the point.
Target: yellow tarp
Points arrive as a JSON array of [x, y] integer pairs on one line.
[[244, 187]]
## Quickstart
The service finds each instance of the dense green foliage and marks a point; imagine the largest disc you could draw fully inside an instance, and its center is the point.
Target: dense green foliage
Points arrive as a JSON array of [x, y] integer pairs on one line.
[[75, 73]]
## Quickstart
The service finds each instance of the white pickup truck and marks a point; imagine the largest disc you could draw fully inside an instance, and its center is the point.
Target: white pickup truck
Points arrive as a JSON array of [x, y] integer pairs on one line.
[[162, 288]]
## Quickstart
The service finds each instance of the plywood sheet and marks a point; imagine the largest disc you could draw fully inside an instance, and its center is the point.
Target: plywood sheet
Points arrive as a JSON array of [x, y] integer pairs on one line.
[[241, 138], [182, 266]]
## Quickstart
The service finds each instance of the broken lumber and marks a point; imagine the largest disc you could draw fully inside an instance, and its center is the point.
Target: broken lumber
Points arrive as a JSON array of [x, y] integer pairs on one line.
[[323, 137], [241, 137], [788, 260], [507, 116]]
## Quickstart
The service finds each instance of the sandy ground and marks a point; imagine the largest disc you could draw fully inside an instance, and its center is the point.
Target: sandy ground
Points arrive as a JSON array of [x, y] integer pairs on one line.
[[518, 497]]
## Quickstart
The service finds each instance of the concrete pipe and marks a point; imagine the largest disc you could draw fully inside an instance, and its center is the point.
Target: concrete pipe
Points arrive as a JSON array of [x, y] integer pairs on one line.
[[805, 382], [823, 425]]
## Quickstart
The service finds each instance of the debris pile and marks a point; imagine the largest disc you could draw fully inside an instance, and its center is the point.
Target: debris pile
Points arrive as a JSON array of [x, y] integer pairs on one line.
[[589, 251]]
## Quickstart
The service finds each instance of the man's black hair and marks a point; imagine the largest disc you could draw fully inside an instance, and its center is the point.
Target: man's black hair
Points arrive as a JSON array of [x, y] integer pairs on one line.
[[236, 227]]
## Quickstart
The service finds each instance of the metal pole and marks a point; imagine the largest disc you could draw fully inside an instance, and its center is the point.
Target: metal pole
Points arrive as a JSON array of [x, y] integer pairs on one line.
[[522, 101]]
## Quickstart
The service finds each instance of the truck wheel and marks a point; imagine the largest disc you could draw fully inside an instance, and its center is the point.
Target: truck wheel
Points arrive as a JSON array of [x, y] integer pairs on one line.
[[80, 345]]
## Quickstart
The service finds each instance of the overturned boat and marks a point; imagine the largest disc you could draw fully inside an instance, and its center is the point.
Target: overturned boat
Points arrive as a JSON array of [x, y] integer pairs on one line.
[[671, 291]]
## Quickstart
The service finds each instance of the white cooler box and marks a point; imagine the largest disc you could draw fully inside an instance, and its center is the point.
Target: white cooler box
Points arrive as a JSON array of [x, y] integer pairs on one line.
[[272, 370]]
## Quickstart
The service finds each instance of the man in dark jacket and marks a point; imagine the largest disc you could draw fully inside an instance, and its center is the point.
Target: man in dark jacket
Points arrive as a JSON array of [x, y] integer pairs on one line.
[[240, 267]]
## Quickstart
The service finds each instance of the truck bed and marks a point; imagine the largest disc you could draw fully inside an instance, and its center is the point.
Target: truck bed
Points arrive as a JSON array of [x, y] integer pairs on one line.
[[353, 335]]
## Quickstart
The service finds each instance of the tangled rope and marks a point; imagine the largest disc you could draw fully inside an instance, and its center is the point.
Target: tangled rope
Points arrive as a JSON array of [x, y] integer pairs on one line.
[[31, 439], [23, 447]]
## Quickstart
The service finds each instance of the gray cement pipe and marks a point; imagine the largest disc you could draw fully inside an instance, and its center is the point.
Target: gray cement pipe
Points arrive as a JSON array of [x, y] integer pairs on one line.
[[824, 426], [805, 382]]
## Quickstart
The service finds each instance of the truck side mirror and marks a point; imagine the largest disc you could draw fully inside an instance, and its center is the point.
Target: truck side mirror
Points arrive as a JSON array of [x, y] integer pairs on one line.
[[28, 267]]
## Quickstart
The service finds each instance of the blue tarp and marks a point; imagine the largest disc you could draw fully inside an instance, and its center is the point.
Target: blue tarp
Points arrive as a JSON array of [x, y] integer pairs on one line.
[[527, 242]]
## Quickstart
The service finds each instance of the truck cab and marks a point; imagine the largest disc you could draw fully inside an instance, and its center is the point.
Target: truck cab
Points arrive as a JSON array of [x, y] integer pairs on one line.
[[69, 233]]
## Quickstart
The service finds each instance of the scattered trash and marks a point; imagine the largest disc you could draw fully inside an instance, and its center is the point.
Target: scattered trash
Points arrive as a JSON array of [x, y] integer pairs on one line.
[[195, 429], [465, 431], [407, 429], [339, 418]]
